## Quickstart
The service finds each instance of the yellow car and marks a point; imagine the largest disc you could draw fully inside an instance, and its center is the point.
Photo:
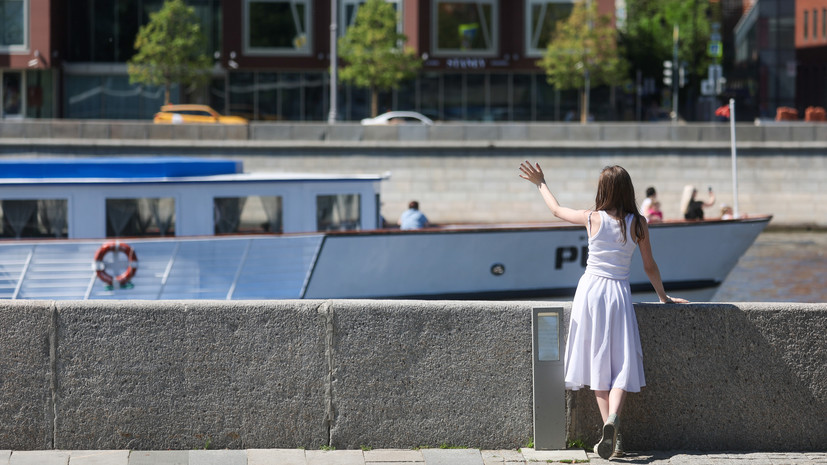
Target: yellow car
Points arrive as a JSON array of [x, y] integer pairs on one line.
[[198, 114]]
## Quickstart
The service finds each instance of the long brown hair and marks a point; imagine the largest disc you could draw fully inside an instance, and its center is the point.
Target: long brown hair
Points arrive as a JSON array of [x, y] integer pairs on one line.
[[616, 192]]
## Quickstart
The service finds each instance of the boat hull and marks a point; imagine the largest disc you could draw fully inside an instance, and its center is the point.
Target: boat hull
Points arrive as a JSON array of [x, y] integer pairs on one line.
[[440, 263], [518, 263]]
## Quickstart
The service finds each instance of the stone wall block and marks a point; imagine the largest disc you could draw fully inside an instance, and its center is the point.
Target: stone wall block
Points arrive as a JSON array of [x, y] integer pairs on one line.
[[418, 373], [170, 375], [25, 375]]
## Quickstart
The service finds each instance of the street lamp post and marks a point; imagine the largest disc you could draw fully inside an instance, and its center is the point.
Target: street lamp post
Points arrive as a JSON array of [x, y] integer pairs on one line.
[[331, 117]]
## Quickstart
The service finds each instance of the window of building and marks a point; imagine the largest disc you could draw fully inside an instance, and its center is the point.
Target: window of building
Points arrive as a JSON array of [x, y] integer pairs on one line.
[[140, 217], [248, 215], [542, 17], [476, 96], [824, 23], [34, 218], [111, 96], [40, 101], [500, 101], [815, 24], [271, 96], [349, 8], [338, 212], [104, 30], [11, 94], [277, 27], [14, 21], [466, 27], [806, 23]]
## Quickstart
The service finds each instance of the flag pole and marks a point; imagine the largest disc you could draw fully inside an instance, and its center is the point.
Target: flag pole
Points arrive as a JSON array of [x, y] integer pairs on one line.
[[734, 159]]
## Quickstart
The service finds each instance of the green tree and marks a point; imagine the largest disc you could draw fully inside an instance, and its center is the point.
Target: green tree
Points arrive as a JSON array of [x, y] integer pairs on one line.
[[170, 49], [647, 34], [584, 42], [373, 51]]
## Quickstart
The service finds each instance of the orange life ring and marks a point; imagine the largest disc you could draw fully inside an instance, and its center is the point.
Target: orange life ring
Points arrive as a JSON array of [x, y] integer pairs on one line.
[[115, 247]]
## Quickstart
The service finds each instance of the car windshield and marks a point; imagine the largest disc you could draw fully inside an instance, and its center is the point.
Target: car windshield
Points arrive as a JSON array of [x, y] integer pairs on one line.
[[191, 112]]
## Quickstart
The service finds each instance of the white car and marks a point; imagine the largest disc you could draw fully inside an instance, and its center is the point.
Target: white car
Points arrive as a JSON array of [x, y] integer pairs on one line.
[[398, 117]]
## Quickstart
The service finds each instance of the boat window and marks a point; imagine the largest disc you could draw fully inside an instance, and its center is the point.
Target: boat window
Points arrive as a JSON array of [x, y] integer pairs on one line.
[[140, 217], [338, 212], [248, 215], [34, 218]]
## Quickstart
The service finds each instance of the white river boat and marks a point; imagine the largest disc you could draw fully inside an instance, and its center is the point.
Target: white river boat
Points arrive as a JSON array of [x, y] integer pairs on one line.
[[203, 229]]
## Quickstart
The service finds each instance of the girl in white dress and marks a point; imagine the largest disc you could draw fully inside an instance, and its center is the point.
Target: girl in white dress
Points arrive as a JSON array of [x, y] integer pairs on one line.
[[603, 346]]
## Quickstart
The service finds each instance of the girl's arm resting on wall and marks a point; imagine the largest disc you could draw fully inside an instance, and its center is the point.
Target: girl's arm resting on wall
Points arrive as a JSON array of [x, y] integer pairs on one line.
[[652, 270]]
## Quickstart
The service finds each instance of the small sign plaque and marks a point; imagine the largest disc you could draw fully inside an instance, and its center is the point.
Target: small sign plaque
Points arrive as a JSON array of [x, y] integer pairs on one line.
[[548, 336]]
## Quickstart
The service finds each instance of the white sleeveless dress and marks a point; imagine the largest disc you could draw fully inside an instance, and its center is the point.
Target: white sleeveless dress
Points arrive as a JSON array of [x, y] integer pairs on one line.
[[603, 347]]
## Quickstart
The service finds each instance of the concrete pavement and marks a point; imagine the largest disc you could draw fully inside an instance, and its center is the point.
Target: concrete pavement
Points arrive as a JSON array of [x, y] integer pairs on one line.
[[397, 457]]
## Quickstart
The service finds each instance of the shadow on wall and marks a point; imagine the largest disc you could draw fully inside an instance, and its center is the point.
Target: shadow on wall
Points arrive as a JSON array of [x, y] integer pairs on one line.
[[721, 378]]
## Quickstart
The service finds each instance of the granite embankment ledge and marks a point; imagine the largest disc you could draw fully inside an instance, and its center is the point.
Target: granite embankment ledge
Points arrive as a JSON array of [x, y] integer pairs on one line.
[[509, 133], [397, 457], [246, 375]]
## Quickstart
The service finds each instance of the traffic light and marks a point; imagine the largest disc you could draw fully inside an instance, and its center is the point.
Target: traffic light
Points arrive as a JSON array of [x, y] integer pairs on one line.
[[667, 72]]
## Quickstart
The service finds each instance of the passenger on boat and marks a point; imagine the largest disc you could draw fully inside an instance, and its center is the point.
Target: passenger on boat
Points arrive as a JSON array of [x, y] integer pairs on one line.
[[653, 213], [650, 207], [412, 218], [651, 195], [603, 348], [726, 212], [694, 209]]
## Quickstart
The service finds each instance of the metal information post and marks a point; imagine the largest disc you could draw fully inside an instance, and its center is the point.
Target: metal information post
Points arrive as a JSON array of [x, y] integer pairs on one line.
[[549, 379]]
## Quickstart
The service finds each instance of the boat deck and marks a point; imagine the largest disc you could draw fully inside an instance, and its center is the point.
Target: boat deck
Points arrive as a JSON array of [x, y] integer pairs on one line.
[[243, 267]]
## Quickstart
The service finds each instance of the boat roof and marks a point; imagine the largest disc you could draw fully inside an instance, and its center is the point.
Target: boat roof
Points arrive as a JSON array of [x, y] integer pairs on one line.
[[116, 167], [142, 170]]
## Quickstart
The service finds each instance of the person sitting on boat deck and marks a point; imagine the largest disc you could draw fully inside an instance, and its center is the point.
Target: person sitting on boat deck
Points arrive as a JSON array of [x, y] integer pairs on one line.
[[646, 205], [412, 218], [653, 212], [603, 348], [694, 209]]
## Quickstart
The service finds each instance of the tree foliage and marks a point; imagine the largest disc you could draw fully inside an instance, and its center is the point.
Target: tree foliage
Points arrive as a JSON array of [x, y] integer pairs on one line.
[[584, 41], [170, 49], [647, 34], [373, 53]]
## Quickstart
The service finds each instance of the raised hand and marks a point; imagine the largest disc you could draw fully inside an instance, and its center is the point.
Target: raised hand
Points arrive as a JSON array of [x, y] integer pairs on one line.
[[534, 174]]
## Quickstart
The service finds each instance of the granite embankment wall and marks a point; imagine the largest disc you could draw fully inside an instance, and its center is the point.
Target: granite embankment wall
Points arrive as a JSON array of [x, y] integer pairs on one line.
[[185, 374], [468, 172]]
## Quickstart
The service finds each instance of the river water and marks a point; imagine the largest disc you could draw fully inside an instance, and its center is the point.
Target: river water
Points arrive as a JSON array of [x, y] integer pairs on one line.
[[779, 267]]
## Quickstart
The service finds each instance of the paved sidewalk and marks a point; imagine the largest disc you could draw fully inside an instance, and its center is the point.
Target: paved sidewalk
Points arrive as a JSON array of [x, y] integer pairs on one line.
[[397, 457]]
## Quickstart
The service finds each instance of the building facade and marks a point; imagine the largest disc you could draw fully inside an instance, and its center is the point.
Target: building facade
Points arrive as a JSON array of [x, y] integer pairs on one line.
[[811, 54], [28, 58], [780, 57], [67, 59], [479, 60]]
